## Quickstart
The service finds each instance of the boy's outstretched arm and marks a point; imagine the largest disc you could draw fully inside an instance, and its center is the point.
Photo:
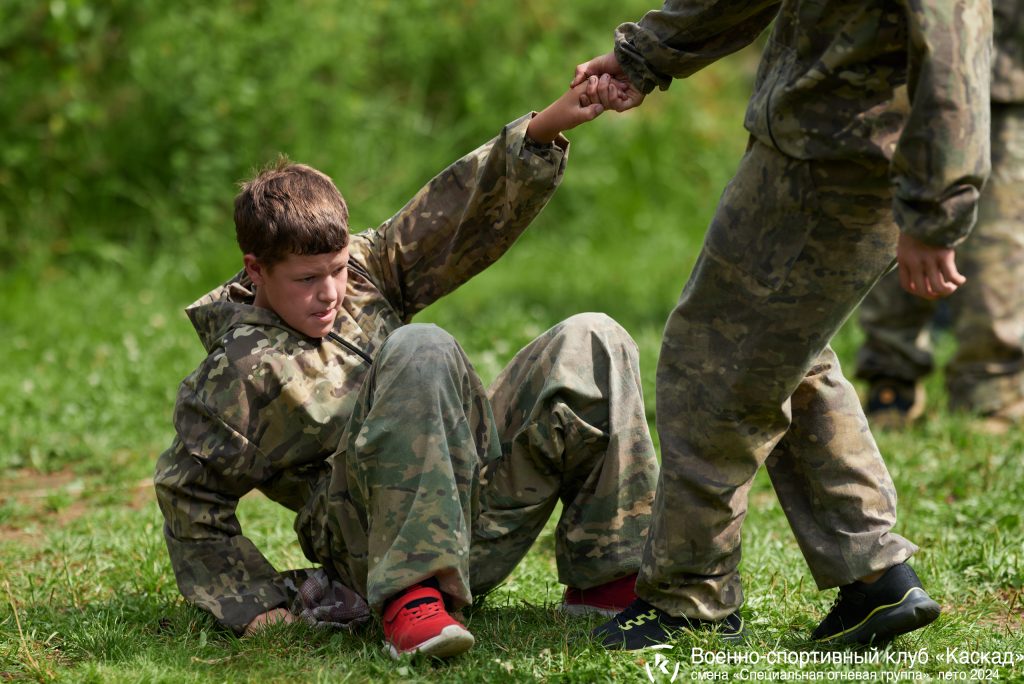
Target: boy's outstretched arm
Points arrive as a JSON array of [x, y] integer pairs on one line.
[[468, 215], [568, 111]]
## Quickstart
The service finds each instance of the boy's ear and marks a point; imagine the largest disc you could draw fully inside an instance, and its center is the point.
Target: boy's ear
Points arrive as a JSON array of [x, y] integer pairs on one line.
[[254, 268]]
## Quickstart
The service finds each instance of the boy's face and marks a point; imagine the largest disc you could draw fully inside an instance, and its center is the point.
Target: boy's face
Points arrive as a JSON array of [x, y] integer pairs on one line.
[[306, 291]]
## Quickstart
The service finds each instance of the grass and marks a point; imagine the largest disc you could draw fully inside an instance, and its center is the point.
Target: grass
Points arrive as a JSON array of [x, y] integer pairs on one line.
[[88, 595], [96, 343]]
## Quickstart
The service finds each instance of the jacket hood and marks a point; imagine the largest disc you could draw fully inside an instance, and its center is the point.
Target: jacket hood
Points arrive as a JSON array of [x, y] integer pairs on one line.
[[228, 306]]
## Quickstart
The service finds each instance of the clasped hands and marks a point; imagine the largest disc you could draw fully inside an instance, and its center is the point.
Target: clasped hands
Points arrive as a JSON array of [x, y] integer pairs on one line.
[[607, 84]]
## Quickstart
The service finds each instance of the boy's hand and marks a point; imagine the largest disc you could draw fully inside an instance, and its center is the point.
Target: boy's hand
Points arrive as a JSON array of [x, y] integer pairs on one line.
[[925, 270], [568, 111], [622, 96], [269, 618]]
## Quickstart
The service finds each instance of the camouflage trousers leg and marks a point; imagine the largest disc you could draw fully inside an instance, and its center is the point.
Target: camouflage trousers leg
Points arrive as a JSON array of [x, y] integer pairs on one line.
[[746, 376], [426, 483], [986, 373], [570, 416], [404, 487]]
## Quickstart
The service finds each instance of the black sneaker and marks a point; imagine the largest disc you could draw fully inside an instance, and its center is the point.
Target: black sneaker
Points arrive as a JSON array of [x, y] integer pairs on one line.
[[872, 614], [642, 625], [894, 403]]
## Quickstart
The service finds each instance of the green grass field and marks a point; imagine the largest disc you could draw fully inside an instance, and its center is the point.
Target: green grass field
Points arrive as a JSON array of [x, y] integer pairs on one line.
[[125, 219]]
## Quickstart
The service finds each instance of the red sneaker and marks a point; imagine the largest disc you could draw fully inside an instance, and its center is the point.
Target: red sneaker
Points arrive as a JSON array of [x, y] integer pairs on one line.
[[607, 599], [417, 622]]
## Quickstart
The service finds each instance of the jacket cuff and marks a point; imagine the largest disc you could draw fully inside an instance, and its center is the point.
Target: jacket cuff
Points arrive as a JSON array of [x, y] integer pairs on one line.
[[940, 224], [632, 61], [239, 611], [541, 160]]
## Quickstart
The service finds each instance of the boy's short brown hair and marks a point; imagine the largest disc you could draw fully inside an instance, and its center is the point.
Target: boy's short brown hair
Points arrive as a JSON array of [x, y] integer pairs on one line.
[[290, 208]]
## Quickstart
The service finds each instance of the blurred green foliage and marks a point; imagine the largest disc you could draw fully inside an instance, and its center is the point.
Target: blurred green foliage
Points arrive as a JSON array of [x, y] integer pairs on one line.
[[128, 124]]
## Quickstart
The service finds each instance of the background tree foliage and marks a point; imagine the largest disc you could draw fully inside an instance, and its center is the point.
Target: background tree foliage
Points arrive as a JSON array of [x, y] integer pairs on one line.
[[128, 124], [127, 121]]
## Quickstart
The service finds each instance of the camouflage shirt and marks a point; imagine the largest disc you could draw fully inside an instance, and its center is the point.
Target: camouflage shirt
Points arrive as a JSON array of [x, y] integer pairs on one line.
[[904, 81], [267, 406], [1008, 57]]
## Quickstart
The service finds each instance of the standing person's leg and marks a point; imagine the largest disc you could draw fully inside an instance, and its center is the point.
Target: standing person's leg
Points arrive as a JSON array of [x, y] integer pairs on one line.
[[840, 502], [570, 415], [397, 515], [792, 249], [897, 351], [831, 482], [987, 373]]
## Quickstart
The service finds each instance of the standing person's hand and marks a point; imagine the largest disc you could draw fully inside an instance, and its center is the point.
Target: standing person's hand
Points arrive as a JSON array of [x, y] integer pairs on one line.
[[613, 89], [925, 270]]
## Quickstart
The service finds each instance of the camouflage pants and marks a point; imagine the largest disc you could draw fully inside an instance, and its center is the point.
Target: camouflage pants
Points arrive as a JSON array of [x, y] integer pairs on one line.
[[986, 373], [437, 478], [746, 377]]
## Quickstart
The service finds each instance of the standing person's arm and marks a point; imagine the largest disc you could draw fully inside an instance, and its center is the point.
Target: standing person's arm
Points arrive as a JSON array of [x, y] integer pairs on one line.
[[677, 41], [942, 158]]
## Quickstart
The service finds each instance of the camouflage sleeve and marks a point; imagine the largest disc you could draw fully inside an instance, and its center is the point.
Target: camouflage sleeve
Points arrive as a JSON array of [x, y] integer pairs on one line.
[[687, 35], [464, 219], [199, 481], [941, 160]]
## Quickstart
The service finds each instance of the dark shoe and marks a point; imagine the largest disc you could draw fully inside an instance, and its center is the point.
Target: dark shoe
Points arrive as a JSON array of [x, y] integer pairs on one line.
[[894, 403], [642, 625], [872, 614], [607, 599]]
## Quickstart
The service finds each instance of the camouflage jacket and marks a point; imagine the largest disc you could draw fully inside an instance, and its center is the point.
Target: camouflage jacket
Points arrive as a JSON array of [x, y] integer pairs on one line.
[[267, 406], [1008, 57], [904, 81]]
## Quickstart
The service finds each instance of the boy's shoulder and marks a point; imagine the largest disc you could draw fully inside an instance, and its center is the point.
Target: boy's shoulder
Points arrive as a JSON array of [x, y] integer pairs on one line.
[[261, 383], [249, 367], [248, 348]]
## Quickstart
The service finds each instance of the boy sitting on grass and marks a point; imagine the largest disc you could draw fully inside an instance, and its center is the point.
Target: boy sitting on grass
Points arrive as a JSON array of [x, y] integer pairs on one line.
[[412, 484]]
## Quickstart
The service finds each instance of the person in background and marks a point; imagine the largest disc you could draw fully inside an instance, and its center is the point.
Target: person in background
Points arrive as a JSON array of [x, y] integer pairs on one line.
[[986, 374]]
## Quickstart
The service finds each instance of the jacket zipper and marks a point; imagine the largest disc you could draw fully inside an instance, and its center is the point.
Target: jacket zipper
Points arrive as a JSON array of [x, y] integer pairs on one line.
[[351, 347]]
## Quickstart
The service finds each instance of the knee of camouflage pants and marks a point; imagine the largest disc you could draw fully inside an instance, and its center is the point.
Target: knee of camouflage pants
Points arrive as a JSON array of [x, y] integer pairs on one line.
[[415, 339], [569, 412], [593, 322], [405, 481]]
